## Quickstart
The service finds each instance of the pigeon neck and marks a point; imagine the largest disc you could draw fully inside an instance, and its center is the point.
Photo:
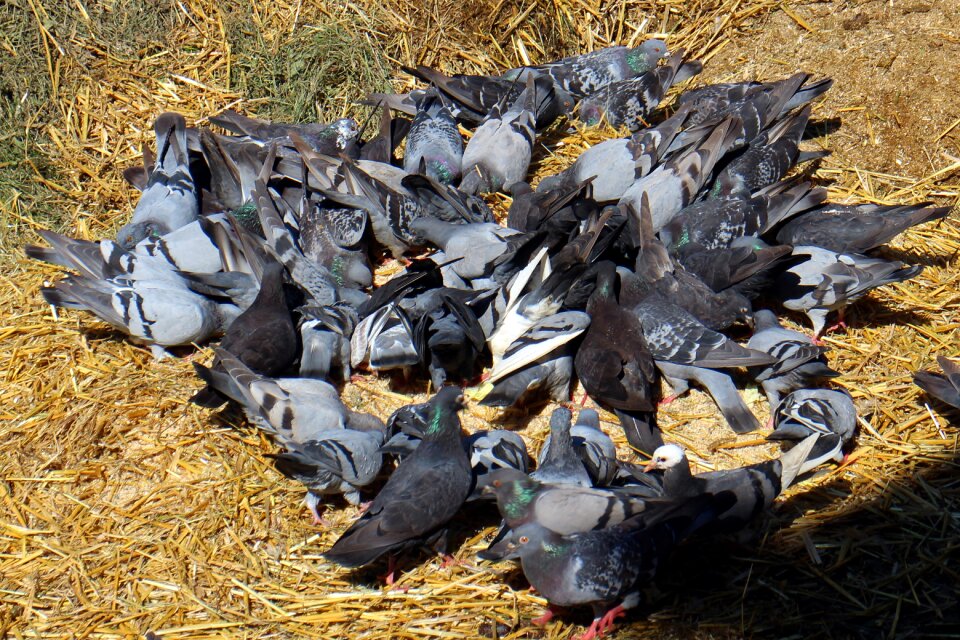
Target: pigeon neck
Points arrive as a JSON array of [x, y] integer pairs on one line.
[[677, 480], [514, 502], [271, 286]]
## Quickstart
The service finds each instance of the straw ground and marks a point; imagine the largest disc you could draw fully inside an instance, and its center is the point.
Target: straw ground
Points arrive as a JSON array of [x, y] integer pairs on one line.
[[124, 510]]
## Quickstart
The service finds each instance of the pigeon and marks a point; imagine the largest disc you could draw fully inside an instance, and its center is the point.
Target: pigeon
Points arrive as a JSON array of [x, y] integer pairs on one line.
[[672, 186], [595, 448], [157, 313], [584, 74], [262, 337], [614, 364], [477, 247], [548, 376], [325, 339], [767, 159], [614, 165], [799, 364], [855, 228], [492, 452], [628, 102], [334, 461], [333, 237], [563, 509], [754, 487], [498, 154], [169, 200], [384, 340], [558, 462], [327, 139], [828, 413], [434, 140], [716, 223], [607, 568], [944, 387], [425, 491], [828, 281], [289, 409], [748, 269], [448, 338]]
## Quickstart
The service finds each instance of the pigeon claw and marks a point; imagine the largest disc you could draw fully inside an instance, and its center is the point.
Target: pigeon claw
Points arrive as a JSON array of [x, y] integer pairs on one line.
[[667, 400], [600, 626], [546, 617]]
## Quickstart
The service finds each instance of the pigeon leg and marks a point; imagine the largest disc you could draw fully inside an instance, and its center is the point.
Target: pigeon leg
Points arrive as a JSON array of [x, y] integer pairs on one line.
[[665, 401], [546, 617], [594, 631], [609, 619], [365, 505], [449, 561], [391, 576]]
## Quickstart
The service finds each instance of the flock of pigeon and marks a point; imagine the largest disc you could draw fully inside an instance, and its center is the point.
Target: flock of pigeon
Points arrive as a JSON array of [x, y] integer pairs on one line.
[[627, 266]]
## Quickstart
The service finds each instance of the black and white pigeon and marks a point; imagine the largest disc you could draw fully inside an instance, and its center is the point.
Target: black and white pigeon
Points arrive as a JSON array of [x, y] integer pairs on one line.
[[944, 387], [607, 568], [595, 448], [628, 102], [581, 75], [558, 462], [434, 140], [262, 337], [846, 228], [828, 281], [754, 487], [491, 452], [614, 165], [498, 154], [422, 495], [800, 362], [289, 409], [169, 200], [828, 413]]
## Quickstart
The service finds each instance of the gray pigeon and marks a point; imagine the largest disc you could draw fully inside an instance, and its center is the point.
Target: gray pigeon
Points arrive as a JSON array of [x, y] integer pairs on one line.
[[559, 462], [498, 154], [157, 313], [827, 281], [616, 164], [434, 140], [799, 363], [424, 493], [290, 409], [628, 102], [328, 139], [583, 74], [333, 237], [492, 452], [848, 228], [595, 448], [672, 186], [563, 509], [944, 387], [828, 413], [548, 376], [755, 487], [170, 198], [325, 340], [333, 461], [478, 246]]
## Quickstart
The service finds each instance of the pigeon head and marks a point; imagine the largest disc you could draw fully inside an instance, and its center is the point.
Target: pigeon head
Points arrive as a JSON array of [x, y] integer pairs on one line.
[[531, 539], [589, 418], [641, 59], [514, 491], [346, 131], [132, 234], [665, 457], [764, 319]]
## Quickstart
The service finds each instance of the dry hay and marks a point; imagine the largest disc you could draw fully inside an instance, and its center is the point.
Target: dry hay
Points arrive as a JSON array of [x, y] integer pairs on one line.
[[125, 510]]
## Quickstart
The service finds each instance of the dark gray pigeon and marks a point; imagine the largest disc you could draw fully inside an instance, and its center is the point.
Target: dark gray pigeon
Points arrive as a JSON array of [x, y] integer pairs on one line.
[[800, 362], [845, 228], [827, 281], [558, 462], [827, 413], [583, 74], [262, 337], [448, 337], [424, 493], [434, 140], [607, 568], [169, 200], [944, 387], [498, 154], [628, 102]]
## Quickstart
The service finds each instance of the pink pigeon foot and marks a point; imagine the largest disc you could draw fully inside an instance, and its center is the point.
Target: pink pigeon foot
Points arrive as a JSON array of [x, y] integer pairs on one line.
[[546, 617], [593, 631], [449, 561], [667, 400], [365, 505]]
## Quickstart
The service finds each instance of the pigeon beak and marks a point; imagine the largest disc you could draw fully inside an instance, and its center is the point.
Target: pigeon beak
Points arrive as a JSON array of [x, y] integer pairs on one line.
[[650, 466]]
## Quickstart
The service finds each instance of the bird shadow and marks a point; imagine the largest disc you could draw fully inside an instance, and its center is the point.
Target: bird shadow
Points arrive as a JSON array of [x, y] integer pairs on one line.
[[912, 257]]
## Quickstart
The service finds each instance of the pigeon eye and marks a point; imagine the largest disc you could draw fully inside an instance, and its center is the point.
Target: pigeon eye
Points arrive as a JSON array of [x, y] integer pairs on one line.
[[523, 540], [496, 483]]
